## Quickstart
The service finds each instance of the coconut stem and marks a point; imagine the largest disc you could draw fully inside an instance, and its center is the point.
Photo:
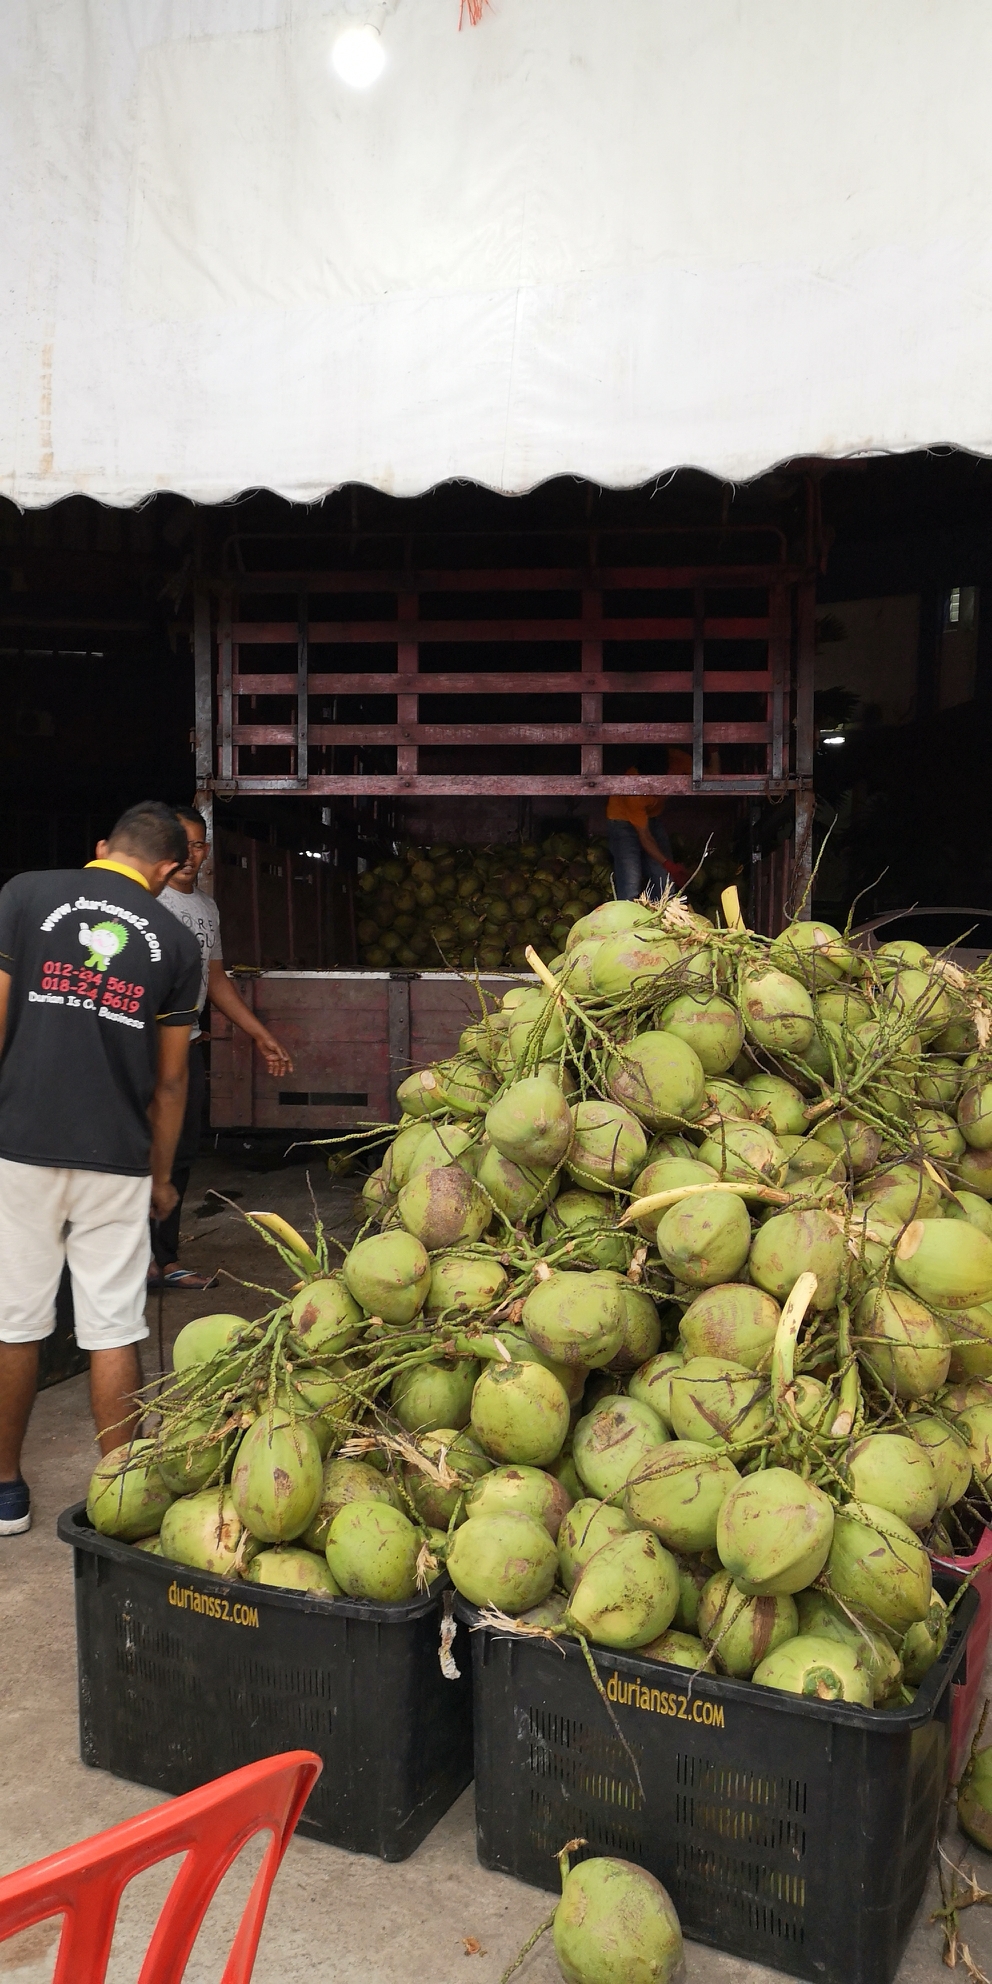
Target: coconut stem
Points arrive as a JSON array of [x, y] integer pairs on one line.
[[528, 1946], [784, 1351]]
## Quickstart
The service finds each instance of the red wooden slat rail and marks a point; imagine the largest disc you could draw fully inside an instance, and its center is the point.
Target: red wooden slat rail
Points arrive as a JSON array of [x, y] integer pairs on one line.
[[651, 682], [412, 622]]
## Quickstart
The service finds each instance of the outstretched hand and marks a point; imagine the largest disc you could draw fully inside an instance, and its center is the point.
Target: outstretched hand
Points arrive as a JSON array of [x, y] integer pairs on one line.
[[276, 1059]]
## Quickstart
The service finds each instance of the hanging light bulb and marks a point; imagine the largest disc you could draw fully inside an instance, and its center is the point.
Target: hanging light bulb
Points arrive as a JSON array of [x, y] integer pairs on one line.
[[358, 57]]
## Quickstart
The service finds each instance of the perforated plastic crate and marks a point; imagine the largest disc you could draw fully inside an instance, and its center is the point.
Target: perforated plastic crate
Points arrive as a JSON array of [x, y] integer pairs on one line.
[[183, 1677], [791, 1832]]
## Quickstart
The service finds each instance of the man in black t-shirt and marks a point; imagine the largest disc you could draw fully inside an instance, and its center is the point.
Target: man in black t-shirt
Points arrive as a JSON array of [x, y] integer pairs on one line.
[[98, 993]]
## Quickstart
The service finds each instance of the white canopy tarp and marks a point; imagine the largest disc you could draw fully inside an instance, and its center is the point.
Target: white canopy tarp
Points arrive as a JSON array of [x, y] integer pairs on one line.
[[600, 237]]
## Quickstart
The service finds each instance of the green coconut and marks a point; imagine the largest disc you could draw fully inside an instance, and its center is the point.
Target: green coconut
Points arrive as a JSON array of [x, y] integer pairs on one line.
[[777, 1012], [652, 1384], [973, 1170], [610, 919], [825, 1669], [975, 1114], [939, 1084], [520, 1413], [326, 1316], [615, 1924], [575, 969], [446, 1143], [678, 1491], [456, 1462], [418, 1095], [780, 1104], [377, 1198], [345, 1481], [608, 1148], [715, 1400], [659, 1078], [128, 1502], [588, 1525], [506, 1560], [677, 1649], [389, 1275], [187, 1465], [808, 1159], [518, 1193], [201, 1340], [612, 1441], [549, 1614], [815, 953], [877, 1566], [896, 1473], [536, 1030], [372, 1552], [584, 1221], [206, 1532], [426, 1396], [667, 1174], [151, 1545], [733, 1320], [823, 1616], [403, 1149], [968, 1206], [277, 1479], [974, 1425], [705, 1239], [939, 1136], [641, 1329], [946, 1263], [843, 1007], [527, 1490], [292, 1569], [464, 1086], [444, 1207], [464, 1285], [740, 1632], [858, 1143], [503, 1344], [631, 960], [905, 1191], [694, 1575], [920, 998], [792, 1243], [948, 1455], [710, 1025], [905, 1347], [577, 1318], [743, 1151], [898, 952], [970, 1334], [924, 1643], [531, 1122], [627, 1593], [774, 1532]]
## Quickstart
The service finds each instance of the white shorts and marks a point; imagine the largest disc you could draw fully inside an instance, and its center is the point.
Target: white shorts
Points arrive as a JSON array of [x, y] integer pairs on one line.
[[95, 1220]]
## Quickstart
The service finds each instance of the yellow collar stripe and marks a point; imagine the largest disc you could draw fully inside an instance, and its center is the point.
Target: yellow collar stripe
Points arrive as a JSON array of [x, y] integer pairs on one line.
[[121, 868]]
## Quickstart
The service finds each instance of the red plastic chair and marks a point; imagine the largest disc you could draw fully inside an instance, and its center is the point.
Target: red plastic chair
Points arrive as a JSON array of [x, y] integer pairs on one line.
[[85, 1883]]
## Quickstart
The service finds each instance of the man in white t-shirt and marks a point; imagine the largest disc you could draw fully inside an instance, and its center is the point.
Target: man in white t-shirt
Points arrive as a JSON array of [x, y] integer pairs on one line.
[[200, 915]]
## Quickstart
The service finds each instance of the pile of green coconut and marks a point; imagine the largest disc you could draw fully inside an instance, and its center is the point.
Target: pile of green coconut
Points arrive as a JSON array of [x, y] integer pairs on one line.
[[669, 1326], [447, 906]]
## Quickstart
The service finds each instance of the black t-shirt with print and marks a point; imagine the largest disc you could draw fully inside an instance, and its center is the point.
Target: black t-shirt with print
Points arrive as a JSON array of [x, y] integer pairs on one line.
[[96, 966]]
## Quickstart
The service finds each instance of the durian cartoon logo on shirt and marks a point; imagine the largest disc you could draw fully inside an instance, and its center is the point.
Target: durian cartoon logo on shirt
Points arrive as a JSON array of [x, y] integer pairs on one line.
[[104, 942]]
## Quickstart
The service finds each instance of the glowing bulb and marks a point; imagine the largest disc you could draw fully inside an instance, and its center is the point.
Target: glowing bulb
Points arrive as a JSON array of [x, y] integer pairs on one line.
[[359, 57]]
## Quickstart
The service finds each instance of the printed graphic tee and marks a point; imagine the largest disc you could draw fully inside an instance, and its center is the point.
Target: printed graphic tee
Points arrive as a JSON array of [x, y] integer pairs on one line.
[[200, 914], [96, 967]]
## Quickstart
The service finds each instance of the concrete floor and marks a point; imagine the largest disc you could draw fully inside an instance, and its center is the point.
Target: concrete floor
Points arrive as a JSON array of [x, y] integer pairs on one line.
[[333, 1918]]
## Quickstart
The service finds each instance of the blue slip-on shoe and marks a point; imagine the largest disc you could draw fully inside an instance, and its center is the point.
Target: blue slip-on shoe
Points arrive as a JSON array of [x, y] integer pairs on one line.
[[15, 1507]]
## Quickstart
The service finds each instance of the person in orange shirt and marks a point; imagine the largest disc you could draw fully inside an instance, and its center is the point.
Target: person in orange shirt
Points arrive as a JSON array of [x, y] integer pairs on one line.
[[639, 842]]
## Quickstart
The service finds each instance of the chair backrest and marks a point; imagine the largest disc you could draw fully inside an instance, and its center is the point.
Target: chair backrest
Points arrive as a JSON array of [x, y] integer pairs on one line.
[[85, 1883]]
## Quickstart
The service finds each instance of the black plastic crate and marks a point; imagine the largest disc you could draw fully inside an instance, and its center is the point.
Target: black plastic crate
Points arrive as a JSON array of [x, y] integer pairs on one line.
[[794, 1833], [183, 1676]]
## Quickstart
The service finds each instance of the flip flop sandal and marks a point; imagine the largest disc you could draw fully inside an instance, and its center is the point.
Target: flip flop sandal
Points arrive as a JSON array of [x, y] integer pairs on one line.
[[186, 1278]]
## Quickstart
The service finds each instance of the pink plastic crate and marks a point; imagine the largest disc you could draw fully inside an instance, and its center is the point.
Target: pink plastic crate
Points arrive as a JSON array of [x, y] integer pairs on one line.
[[968, 1689]]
